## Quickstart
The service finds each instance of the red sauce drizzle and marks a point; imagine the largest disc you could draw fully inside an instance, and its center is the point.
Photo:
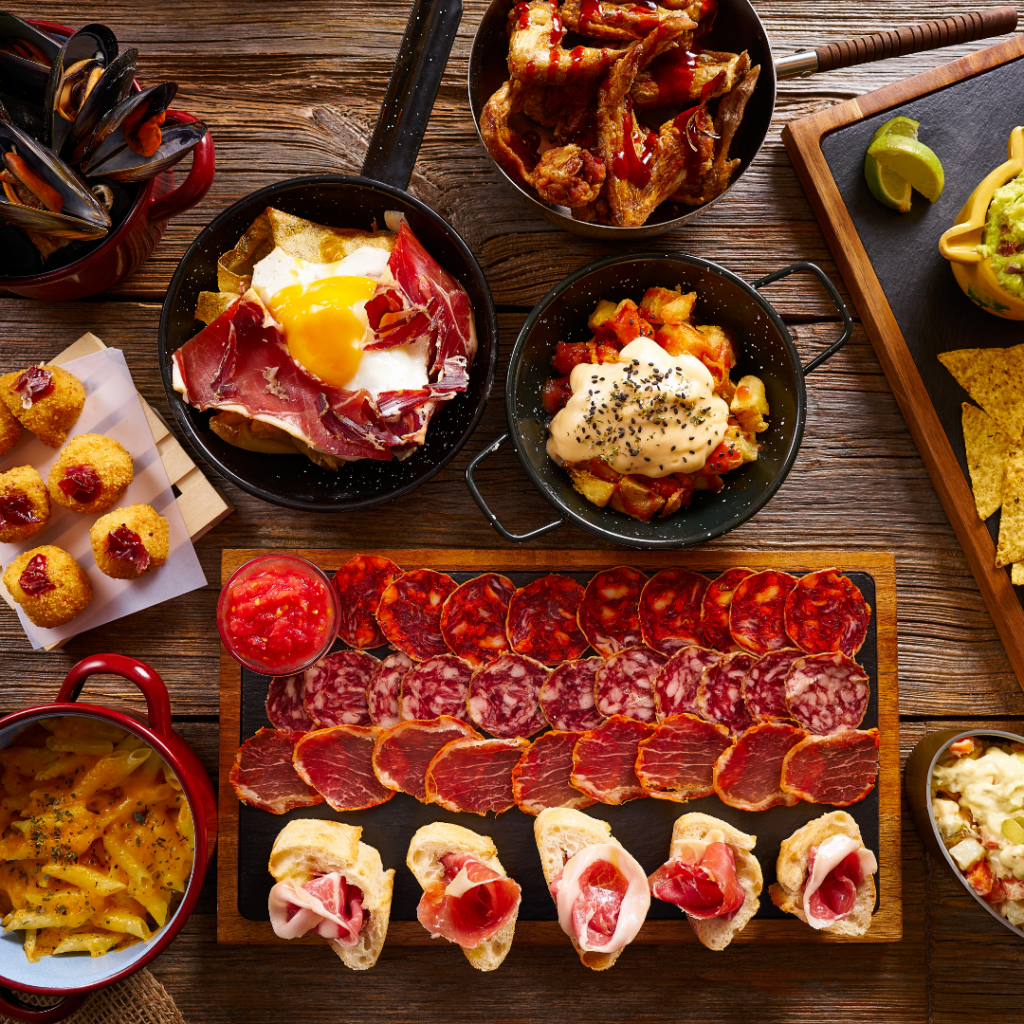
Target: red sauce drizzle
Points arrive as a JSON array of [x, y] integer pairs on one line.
[[557, 31], [707, 7], [553, 56], [530, 68], [81, 483], [646, 14], [33, 384], [626, 164], [589, 10], [16, 510], [576, 56], [673, 74], [709, 88], [523, 13], [126, 545], [33, 579]]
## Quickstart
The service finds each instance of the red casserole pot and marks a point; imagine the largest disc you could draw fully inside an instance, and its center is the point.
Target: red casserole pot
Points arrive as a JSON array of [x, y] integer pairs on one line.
[[74, 976]]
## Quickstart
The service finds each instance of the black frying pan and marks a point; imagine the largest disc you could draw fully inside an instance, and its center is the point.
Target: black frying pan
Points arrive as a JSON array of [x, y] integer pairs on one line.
[[347, 201], [736, 28]]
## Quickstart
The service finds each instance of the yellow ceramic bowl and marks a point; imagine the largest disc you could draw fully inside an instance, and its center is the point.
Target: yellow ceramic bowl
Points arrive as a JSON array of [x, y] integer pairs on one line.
[[959, 245]]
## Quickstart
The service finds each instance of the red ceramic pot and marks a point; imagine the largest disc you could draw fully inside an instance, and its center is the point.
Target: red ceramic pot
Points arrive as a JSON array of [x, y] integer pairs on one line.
[[129, 246], [74, 976]]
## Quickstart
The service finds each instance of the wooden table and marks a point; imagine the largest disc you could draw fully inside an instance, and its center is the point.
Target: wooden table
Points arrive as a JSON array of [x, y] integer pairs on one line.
[[293, 87]]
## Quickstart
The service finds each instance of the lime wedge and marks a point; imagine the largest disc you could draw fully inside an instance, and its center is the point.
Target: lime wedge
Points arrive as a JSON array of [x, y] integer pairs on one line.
[[898, 126], [911, 160], [886, 186], [1013, 831]]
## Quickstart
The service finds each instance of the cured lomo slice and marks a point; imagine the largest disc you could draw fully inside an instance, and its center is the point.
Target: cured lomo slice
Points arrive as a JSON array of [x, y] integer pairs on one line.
[[338, 764], [675, 686], [542, 620], [764, 686], [604, 760], [475, 776], [541, 778], [263, 775], [609, 614], [401, 754], [677, 762], [827, 612], [473, 618], [624, 684], [749, 774], [384, 687], [409, 612], [839, 769], [720, 693], [757, 615], [567, 698], [504, 696], [436, 687], [360, 583], [827, 693], [670, 610], [334, 691], [714, 611], [285, 709]]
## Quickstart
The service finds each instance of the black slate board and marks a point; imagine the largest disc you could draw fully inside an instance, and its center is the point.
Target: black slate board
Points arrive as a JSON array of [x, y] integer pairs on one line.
[[643, 826]]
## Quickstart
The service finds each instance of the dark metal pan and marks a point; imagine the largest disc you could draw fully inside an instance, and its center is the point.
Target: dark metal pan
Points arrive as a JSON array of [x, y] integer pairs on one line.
[[349, 201], [736, 28], [764, 348]]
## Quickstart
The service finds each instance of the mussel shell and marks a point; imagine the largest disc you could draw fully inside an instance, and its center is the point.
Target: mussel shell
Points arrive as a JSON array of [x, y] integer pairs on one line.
[[25, 77], [106, 139], [127, 165], [106, 95], [92, 43], [25, 115]]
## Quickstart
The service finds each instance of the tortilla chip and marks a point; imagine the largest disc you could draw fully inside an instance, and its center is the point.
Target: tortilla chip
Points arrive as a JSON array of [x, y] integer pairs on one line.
[[987, 448], [320, 243], [1011, 522], [212, 304], [994, 378], [1017, 574]]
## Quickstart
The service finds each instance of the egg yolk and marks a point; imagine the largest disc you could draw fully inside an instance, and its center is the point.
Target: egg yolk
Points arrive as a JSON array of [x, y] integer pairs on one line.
[[323, 333]]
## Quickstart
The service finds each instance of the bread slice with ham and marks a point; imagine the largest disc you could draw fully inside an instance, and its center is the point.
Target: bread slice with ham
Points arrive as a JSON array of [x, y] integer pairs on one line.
[[826, 876], [330, 882]]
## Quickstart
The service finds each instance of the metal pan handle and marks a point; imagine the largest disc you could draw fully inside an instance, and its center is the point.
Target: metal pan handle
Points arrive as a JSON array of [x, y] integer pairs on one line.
[[412, 90], [833, 294], [485, 508]]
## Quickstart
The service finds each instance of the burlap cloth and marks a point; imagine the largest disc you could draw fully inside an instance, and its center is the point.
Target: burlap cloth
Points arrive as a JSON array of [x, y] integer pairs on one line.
[[139, 999]]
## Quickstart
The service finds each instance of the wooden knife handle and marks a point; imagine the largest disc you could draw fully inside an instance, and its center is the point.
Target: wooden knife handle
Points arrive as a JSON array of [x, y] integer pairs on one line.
[[960, 28]]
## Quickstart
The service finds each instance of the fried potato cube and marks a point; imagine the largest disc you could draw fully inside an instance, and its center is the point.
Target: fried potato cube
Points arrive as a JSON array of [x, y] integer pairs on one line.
[[681, 339], [737, 447], [719, 346], [661, 306], [595, 490], [603, 311], [750, 404], [625, 324], [636, 499]]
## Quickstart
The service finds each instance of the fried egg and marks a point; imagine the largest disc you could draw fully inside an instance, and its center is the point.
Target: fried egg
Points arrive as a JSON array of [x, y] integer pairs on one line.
[[322, 309]]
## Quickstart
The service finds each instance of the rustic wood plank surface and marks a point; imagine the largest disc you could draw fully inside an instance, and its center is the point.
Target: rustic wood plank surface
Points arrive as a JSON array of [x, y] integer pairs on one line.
[[294, 88]]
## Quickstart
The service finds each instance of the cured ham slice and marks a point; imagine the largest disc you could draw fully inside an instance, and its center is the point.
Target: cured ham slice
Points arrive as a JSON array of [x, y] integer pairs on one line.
[[504, 697], [720, 693], [263, 775], [609, 613], [839, 769], [474, 775], [827, 612], [473, 618], [360, 583], [541, 778], [834, 871], [827, 693], [327, 904], [567, 697], [714, 612], [338, 764], [624, 684], [402, 754], [334, 691], [285, 708], [677, 761], [542, 620], [764, 686], [704, 888], [436, 687], [749, 774], [409, 612], [384, 688], [757, 615], [675, 686], [604, 760], [670, 610]]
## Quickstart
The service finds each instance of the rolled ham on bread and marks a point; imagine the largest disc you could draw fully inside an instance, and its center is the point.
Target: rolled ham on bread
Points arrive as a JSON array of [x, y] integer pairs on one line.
[[599, 889], [826, 876], [712, 875], [331, 883], [467, 897]]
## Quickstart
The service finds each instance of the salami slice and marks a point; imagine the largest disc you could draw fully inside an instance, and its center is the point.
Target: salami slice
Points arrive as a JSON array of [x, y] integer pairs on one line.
[[839, 769], [285, 709], [409, 612], [473, 618], [757, 615], [334, 691], [401, 754], [567, 698], [677, 761], [604, 760], [624, 684], [764, 686], [827, 612], [670, 610], [714, 611], [749, 774], [542, 620], [360, 583], [384, 687], [609, 613], [338, 764], [436, 687], [263, 775], [720, 693], [675, 686], [541, 778], [504, 697], [827, 693], [475, 776]]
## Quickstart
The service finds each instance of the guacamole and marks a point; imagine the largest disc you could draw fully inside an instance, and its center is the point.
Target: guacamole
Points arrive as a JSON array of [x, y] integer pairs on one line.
[[1004, 235]]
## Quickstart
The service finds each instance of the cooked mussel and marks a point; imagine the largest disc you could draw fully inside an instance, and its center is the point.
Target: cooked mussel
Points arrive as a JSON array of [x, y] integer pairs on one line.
[[26, 55], [134, 159], [136, 122], [76, 71], [85, 100]]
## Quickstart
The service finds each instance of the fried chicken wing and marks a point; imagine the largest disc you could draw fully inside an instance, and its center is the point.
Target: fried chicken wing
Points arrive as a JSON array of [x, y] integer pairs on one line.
[[569, 176], [683, 76], [502, 141], [614, 21]]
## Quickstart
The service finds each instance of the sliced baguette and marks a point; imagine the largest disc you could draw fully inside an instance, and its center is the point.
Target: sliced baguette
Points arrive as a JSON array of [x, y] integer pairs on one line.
[[308, 847]]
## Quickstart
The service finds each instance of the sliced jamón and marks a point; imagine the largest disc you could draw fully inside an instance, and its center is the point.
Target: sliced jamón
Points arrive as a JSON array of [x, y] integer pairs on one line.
[[334, 691], [263, 775], [764, 686], [384, 688], [360, 582], [402, 754], [714, 612], [675, 686], [542, 620], [624, 684], [670, 610], [504, 696], [473, 618], [827, 693], [609, 613], [677, 761], [439, 686], [567, 697], [410, 612], [839, 769], [285, 708], [541, 778], [604, 760], [757, 615], [720, 693], [338, 764], [749, 774], [475, 775], [827, 612]]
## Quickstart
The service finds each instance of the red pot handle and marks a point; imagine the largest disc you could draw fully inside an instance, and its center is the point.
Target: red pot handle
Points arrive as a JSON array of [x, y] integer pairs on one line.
[[198, 182], [47, 1015], [158, 704]]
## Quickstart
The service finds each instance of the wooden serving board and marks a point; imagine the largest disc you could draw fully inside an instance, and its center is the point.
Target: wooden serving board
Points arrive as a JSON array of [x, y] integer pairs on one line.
[[904, 290], [644, 826]]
